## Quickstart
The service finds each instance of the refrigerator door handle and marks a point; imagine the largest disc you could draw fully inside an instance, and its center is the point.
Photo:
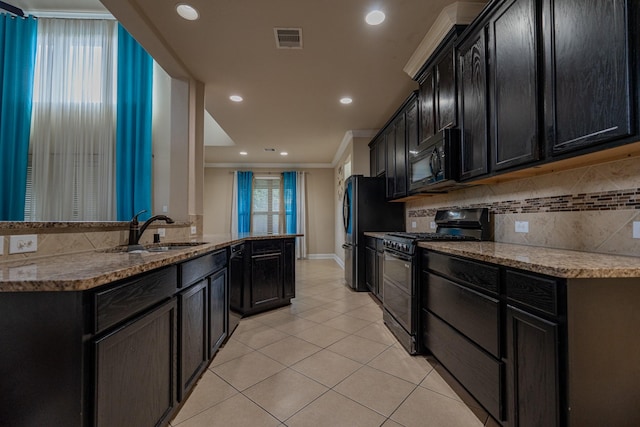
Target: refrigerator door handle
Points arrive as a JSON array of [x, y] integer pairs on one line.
[[345, 246]]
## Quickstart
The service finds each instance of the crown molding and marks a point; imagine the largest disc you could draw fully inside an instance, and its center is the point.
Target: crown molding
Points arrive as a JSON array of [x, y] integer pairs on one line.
[[347, 138], [270, 165], [459, 13]]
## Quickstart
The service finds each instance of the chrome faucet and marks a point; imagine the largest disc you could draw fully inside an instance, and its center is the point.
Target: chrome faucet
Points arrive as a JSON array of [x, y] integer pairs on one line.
[[135, 230]]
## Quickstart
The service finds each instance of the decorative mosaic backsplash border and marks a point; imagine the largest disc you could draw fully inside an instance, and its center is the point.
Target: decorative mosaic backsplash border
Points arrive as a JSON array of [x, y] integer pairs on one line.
[[602, 201]]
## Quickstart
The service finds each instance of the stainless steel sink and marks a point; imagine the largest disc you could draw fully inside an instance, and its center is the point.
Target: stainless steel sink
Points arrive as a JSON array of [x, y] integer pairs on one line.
[[163, 247], [153, 247]]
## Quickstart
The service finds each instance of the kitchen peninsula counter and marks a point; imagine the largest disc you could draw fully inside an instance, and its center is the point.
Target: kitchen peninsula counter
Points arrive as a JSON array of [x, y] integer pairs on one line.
[[90, 269], [567, 264]]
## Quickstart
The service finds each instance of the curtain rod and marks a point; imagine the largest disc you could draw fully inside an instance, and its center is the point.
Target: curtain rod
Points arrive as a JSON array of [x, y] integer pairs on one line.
[[11, 9]]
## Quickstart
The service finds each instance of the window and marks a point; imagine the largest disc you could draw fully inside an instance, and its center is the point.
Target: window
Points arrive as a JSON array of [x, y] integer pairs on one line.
[[265, 216]]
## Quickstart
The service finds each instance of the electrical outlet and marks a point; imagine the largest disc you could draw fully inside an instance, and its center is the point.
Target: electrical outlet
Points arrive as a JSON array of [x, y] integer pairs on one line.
[[26, 272], [522, 226], [165, 208], [22, 244], [413, 224], [433, 225], [194, 229], [1, 245], [636, 229], [162, 232]]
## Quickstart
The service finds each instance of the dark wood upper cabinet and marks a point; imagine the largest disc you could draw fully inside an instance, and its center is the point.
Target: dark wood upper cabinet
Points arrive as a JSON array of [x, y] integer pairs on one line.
[[390, 137], [437, 95], [513, 71], [472, 105], [588, 91], [378, 156], [400, 181], [427, 95], [446, 111]]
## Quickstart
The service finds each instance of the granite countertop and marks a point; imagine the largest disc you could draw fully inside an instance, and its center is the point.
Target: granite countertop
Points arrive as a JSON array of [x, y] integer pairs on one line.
[[377, 234], [553, 262], [90, 269]]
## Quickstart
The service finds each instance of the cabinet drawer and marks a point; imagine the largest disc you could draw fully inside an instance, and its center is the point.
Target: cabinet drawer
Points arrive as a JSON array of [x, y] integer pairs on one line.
[[264, 246], [532, 291], [195, 269], [477, 371], [471, 273], [132, 296], [475, 315]]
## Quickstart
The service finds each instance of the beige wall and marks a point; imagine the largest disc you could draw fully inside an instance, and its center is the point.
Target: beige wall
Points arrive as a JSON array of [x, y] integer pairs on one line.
[[589, 209], [171, 161], [320, 205]]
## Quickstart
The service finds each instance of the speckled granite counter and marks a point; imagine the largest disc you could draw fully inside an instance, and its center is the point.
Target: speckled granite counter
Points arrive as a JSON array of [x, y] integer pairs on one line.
[[553, 262], [86, 270], [376, 234]]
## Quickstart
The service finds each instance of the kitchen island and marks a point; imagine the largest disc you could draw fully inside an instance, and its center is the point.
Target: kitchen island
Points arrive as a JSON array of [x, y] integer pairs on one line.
[[538, 336], [110, 337]]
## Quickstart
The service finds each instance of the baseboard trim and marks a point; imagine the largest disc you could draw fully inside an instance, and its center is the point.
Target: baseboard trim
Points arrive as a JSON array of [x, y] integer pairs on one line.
[[334, 257]]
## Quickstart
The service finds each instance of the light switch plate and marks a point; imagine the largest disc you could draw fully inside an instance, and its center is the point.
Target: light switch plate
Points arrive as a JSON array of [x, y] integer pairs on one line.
[[165, 208], [636, 229], [23, 243], [1, 245], [413, 224], [433, 225], [522, 226], [162, 232], [194, 229]]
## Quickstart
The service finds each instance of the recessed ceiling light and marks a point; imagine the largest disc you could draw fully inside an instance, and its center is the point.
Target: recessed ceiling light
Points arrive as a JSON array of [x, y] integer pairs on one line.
[[375, 17], [346, 100], [187, 12], [243, 153], [284, 153], [236, 98]]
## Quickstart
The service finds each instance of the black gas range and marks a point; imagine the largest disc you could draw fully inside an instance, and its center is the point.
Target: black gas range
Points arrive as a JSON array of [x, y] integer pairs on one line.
[[400, 269]]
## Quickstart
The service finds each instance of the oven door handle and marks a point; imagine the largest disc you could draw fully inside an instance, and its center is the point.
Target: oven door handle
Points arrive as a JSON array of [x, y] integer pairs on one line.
[[399, 256]]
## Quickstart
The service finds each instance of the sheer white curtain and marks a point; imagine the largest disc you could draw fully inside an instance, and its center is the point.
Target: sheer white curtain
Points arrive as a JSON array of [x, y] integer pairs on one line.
[[234, 204], [301, 215], [73, 121]]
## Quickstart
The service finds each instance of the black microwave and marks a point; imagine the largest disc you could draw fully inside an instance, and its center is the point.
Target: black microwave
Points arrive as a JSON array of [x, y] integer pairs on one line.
[[435, 168]]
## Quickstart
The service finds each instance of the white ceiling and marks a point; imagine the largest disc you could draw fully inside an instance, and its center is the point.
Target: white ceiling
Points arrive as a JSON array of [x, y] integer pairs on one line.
[[290, 96]]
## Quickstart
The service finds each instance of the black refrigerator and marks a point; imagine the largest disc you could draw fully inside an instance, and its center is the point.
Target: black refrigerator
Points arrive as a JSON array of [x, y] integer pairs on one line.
[[365, 208]]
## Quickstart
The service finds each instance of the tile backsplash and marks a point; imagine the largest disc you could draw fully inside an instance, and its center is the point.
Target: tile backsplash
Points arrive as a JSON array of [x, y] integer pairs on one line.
[[62, 239], [588, 209]]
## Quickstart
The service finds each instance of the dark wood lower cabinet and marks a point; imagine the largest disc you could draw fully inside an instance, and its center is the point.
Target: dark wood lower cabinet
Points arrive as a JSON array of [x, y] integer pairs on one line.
[[135, 380], [218, 313], [370, 268], [193, 334], [532, 370], [501, 333], [266, 278], [374, 265], [129, 352], [269, 279], [476, 370], [289, 272]]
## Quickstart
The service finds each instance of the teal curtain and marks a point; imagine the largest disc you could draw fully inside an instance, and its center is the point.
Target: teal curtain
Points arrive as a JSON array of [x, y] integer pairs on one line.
[[17, 65], [245, 179], [133, 129], [289, 186]]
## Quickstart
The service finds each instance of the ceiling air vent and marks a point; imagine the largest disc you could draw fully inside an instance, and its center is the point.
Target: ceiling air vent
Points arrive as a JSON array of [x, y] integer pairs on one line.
[[269, 150], [288, 38]]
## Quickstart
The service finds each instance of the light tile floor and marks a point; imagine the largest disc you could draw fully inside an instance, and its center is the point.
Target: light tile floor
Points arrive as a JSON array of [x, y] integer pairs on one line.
[[325, 360]]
